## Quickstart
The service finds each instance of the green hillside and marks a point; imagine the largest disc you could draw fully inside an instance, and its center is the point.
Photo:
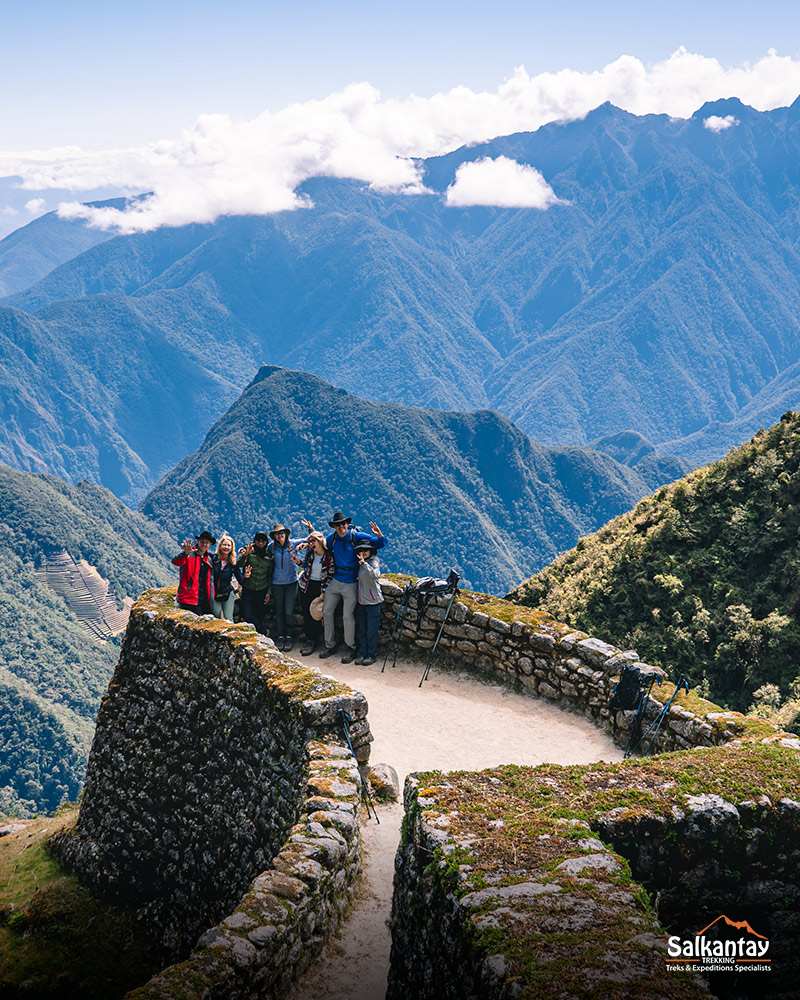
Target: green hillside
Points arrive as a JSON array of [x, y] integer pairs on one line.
[[703, 577], [53, 667], [660, 297], [467, 490]]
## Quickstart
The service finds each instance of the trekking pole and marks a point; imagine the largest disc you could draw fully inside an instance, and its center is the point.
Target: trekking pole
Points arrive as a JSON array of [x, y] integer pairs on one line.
[[402, 608], [659, 719], [441, 630], [345, 718], [636, 726]]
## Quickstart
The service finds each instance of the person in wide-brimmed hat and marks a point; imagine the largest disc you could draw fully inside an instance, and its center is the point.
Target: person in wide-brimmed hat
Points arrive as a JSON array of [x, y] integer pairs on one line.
[[196, 585], [370, 600], [256, 566], [315, 575], [283, 585], [343, 588]]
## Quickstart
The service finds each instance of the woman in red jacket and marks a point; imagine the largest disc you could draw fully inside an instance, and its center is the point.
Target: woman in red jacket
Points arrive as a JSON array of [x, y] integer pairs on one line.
[[196, 586]]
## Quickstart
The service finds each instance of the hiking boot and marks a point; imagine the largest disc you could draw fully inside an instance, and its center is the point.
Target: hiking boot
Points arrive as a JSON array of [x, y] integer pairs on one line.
[[308, 649], [349, 654], [288, 644], [368, 661], [327, 651], [360, 660]]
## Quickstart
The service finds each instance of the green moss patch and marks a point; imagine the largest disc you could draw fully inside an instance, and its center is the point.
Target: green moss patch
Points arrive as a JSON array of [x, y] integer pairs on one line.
[[515, 824]]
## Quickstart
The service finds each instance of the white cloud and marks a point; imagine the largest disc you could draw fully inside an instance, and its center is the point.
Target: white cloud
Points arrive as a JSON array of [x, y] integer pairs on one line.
[[716, 124], [219, 166], [35, 206], [10, 210], [501, 182]]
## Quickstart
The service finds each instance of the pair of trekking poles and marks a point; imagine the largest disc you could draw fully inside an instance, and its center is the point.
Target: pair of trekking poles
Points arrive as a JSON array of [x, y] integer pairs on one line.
[[632, 693], [423, 590]]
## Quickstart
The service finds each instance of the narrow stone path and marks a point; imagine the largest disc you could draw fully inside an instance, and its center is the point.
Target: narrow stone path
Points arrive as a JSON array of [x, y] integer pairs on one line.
[[453, 722]]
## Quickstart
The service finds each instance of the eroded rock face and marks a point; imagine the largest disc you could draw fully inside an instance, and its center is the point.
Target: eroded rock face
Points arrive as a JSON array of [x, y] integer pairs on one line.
[[199, 769]]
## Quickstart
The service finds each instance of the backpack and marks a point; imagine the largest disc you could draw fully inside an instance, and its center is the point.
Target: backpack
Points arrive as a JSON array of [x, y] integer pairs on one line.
[[628, 691]]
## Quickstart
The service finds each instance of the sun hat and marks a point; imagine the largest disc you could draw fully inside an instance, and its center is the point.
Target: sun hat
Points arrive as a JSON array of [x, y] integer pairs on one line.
[[339, 518]]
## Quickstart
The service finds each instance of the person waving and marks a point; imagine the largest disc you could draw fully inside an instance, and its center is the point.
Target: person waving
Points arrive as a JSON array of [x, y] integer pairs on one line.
[[343, 588]]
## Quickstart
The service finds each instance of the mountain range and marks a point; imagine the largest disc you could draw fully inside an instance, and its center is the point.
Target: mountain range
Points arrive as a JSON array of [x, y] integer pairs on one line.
[[463, 490], [660, 296]]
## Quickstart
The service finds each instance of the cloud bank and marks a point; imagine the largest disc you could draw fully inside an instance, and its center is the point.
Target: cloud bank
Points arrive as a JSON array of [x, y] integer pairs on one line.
[[219, 166]]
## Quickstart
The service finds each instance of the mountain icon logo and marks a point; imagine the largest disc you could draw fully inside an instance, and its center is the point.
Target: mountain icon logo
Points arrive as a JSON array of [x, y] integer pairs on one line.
[[739, 925]]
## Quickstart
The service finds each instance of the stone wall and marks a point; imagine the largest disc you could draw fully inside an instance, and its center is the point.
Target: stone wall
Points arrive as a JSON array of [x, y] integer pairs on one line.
[[284, 918], [528, 882], [217, 761], [531, 650]]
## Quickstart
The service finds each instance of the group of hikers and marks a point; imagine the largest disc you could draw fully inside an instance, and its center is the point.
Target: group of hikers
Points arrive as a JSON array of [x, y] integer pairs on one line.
[[340, 568]]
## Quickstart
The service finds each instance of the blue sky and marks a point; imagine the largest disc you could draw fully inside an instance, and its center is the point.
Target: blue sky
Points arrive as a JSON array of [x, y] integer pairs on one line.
[[113, 78], [107, 73]]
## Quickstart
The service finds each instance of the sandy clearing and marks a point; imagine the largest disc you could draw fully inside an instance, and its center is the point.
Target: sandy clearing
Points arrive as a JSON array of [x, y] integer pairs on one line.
[[454, 721]]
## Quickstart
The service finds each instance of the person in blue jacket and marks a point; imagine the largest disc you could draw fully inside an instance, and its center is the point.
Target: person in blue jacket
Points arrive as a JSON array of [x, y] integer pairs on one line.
[[343, 588], [283, 585]]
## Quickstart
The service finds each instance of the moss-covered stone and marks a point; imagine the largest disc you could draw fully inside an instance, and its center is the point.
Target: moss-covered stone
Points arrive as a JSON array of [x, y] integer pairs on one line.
[[538, 881]]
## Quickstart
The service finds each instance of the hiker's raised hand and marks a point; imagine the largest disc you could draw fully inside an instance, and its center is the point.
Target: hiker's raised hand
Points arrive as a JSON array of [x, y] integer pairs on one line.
[[307, 524], [247, 571], [187, 547], [375, 529]]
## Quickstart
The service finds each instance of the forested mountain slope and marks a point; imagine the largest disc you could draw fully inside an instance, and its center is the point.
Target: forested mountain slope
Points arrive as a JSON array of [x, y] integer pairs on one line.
[[33, 251], [660, 295], [703, 577], [53, 667], [467, 490]]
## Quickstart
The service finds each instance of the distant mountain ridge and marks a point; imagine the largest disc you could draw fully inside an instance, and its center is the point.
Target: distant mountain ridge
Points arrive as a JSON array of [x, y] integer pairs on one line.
[[467, 490], [661, 296], [34, 251]]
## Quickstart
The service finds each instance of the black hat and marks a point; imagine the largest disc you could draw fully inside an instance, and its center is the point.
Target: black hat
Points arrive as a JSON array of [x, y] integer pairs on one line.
[[260, 536], [363, 546], [207, 535], [339, 518]]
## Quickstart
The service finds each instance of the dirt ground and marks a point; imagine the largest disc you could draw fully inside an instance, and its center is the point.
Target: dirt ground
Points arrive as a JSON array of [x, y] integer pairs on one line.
[[454, 721]]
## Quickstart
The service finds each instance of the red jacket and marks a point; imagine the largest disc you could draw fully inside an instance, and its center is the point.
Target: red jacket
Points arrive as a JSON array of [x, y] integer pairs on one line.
[[189, 585]]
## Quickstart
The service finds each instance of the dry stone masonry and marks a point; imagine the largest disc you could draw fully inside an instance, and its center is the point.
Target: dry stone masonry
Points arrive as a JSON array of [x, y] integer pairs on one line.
[[222, 803], [528, 882], [532, 651], [220, 793]]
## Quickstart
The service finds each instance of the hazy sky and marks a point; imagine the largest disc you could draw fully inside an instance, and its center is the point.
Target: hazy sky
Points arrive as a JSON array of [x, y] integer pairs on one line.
[[105, 76]]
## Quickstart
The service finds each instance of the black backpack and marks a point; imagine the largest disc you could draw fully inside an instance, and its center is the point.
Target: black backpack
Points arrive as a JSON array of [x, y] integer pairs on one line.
[[629, 689]]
